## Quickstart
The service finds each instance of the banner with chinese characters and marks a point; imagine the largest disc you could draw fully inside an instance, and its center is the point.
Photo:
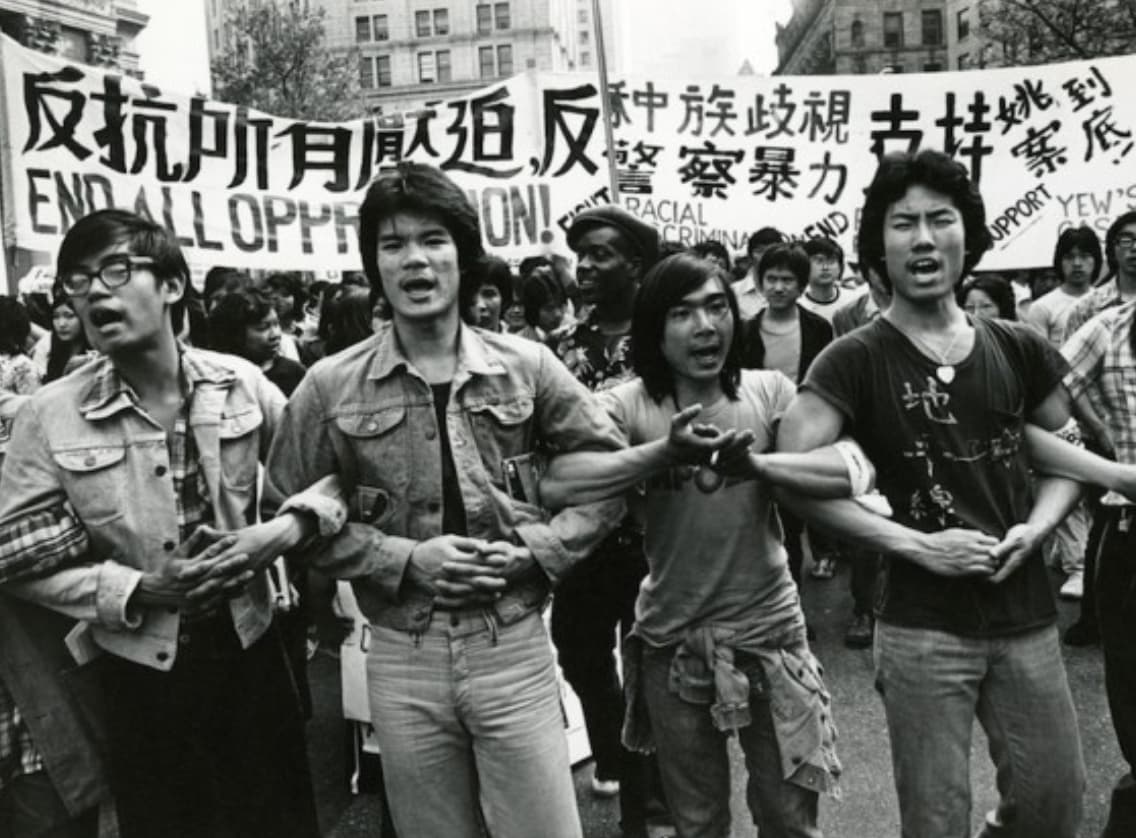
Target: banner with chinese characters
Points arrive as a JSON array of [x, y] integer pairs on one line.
[[1050, 146]]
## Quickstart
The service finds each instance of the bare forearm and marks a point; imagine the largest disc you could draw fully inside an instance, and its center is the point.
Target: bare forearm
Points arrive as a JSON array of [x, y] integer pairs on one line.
[[1051, 455], [849, 520], [822, 473], [1055, 498], [588, 476]]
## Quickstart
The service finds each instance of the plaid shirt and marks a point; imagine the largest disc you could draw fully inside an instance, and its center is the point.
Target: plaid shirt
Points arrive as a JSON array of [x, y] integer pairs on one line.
[[1103, 367], [55, 537]]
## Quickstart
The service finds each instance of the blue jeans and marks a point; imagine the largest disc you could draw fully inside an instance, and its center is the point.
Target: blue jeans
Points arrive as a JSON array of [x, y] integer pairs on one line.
[[695, 765], [468, 719], [934, 684]]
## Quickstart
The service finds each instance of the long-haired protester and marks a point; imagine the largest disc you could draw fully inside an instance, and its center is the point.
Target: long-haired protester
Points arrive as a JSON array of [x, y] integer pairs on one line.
[[719, 641], [433, 424], [987, 296], [68, 345]]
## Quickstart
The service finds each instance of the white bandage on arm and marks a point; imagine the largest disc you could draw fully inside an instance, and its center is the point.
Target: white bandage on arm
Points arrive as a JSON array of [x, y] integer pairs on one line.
[[861, 472]]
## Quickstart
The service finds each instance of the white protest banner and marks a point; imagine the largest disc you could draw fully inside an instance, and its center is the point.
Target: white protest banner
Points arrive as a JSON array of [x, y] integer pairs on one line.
[[1051, 146]]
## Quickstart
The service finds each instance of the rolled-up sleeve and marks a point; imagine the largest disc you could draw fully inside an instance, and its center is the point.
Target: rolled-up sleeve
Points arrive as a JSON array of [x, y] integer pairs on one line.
[[570, 419]]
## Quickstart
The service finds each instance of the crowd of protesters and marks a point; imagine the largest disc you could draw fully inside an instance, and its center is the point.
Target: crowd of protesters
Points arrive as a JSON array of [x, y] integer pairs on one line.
[[649, 442]]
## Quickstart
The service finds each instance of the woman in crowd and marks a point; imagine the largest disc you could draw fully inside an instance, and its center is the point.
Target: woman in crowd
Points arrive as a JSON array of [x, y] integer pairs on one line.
[[68, 347], [544, 302], [989, 296], [484, 301], [245, 323], [18, 373]]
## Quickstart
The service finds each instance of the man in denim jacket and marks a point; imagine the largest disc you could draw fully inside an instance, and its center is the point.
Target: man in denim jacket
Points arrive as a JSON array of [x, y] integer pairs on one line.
[[118, 481], [430, 424]]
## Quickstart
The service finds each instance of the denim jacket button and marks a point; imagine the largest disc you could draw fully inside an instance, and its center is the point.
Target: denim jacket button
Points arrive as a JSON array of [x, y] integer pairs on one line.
[[160, 471], [168, 546], [372, 425], [162, 656], [90, 461]]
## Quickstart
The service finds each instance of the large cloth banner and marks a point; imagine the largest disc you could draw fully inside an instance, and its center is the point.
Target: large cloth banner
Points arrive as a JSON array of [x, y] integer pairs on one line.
[[1050, 146]]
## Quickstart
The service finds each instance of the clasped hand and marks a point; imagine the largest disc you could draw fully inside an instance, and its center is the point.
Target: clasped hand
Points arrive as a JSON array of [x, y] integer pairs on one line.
[[462, 571], [705, 444]]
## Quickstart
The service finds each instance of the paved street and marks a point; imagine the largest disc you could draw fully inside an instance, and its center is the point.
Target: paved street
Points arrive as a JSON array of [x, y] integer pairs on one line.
[[868, 808]]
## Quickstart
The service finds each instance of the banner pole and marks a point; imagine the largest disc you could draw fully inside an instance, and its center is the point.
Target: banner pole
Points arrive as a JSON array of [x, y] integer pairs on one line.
[[6, 172], [605, 102]]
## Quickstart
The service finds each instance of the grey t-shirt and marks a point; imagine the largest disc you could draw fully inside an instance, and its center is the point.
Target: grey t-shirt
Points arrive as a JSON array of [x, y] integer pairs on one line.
[[714, 553]]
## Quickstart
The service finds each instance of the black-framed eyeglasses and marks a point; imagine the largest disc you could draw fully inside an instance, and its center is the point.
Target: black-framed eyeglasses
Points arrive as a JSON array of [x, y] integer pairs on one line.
[[115, 271]]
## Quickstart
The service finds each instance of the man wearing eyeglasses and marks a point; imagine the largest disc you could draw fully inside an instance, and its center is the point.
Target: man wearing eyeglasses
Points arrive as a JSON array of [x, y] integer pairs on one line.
[[119, 481]]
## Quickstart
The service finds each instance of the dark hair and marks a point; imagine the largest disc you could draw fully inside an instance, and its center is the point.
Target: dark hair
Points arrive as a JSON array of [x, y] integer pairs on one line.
[[489, 270], [231, 314], [934, 170], [216, 278], [291, 285], [60, 354], [538, 291], [1110, 237], [99, 230], [764, 236], [996, 288], [670, 247], [789, 256], [15, 325], [710, 247], [418, 188], [664, 287], [346, 317], [824, 246], [1079, 238], [531, 263]]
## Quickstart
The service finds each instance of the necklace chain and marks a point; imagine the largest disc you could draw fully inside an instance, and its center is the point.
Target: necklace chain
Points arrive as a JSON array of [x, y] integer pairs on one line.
[[941, 357]]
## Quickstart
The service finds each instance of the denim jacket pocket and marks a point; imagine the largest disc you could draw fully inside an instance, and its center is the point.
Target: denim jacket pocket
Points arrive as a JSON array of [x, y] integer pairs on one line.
[[380, 447], [501, 430], [372, 505], [237, 432], [94, 480]]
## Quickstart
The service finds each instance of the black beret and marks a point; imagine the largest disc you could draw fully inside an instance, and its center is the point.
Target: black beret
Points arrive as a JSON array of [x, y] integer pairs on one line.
[[642, 235]]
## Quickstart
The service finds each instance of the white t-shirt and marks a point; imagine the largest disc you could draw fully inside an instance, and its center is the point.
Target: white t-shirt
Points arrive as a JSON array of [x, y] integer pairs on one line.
[[828, 309], [1049, 314]]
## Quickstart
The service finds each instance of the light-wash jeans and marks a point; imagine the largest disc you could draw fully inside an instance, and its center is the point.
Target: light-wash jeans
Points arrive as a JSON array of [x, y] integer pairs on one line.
[[695, 765], [934, 684], [468, 719]]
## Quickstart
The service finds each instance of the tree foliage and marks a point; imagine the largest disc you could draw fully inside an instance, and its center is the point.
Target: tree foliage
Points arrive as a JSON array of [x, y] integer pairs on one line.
[[1046, 31], [276, 60]]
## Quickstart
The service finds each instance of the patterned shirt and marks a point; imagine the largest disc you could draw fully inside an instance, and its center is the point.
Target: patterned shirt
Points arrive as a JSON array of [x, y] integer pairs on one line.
[[61, 540], [1103, 367], [19, 374], [598, 361], [1089, 306]]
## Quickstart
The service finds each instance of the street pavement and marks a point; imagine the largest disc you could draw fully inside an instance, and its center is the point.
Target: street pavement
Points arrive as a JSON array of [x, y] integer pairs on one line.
[[867, 808]]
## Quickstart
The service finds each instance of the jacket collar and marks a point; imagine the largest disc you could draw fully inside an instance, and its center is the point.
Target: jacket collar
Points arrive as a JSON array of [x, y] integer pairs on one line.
[[108, 392], [475, 356]]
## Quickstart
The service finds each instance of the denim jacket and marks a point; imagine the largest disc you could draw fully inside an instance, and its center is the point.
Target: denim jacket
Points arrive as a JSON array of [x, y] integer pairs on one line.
[[368, 415], [82, 446]]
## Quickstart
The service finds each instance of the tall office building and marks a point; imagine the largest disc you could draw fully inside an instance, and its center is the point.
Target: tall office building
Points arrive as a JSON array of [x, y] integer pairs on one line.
[[880, 36], [101, 33]]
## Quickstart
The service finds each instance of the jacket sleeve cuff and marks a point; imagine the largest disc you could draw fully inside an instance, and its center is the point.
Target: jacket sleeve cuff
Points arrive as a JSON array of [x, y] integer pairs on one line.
[[547, 550], [116, 585], [325, 500], [394, 556]]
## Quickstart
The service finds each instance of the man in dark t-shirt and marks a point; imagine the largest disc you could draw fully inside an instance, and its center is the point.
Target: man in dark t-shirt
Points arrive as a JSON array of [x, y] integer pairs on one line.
[[966, 617]]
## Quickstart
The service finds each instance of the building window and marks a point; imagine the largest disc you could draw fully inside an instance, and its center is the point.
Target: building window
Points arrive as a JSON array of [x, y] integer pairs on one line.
[[422, 24], [892, 68], [860, 64], [932, 67], [426, 73], [442, 62], [932, 28], [382, 30], [484, 18], [963, 23], [366, 72], [584, 36], [383, 70], [857, 33], [582, 15], [485, 60], [963, 61], [441, 22], [505, 60], [893, 29], [585, 59], [501, 15], [362, 30]]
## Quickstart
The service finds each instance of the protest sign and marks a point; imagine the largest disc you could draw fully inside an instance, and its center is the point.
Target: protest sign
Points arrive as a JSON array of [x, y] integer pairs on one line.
[[1051, 146]]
